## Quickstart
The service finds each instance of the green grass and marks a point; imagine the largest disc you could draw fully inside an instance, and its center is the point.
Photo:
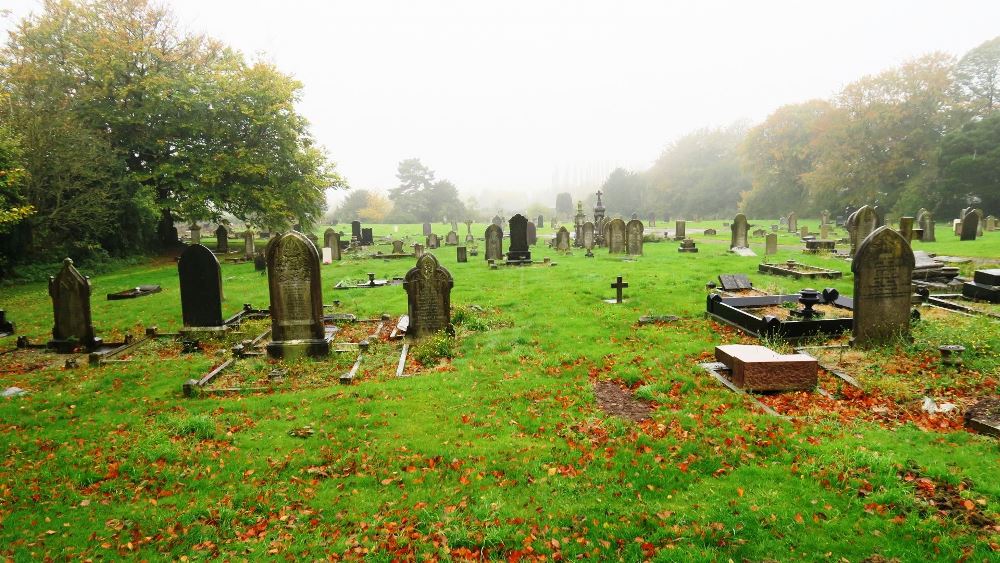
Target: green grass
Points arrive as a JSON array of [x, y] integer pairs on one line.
[[501, 448]]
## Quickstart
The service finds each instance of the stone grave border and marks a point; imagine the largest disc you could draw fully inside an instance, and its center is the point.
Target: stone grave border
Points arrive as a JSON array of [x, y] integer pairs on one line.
[[730, 311], [371, 284], [953, 302], [811, 272]]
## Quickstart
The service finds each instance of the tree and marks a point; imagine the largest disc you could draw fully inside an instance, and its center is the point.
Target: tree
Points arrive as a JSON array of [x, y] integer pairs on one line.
[[564, 205], [419, 198], [376, 209], [977, 76], [444, 202], [970, 168], [624, 192], [350, 208]]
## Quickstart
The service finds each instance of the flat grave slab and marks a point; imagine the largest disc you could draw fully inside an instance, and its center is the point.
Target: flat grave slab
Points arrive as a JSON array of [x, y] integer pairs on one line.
[[758, 368], [744, 252], [734, 282], [139, 291], [984, 416]]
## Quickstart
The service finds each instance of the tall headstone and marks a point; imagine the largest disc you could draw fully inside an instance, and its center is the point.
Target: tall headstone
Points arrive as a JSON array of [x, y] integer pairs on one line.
[[739, 230], [860, 224], [970, 226], [427, 229], [615, 234], [428, 297], [201, 289], [532, 234], [332, 239], [588, 237], [451, 239], [540, 222], [680, 230], [879, 216], [518, 250], [771, 243], [824, 231], [418, 250], [979, 222], [196, 234], [356, 230], [883, 268], [906, 228], [296, 292], [793, 222], [824, 217], [494, 242], [633, 237], [72, 327], [222, 239], [562, 239], [462, 254], [249, 244], [328, 237], [926, 222]]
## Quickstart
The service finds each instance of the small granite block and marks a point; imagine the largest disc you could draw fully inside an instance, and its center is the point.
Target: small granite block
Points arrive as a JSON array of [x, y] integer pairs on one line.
[[757, 368], [987, 277]]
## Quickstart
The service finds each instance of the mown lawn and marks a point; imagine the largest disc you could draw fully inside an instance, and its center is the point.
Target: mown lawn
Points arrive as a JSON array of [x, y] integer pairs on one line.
[[500, 452]]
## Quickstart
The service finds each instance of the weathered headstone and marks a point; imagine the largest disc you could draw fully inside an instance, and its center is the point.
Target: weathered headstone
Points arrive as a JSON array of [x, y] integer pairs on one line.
[[734, 282], [540, 222], [771, 243], [433, 241], [680, 230], [926, 222], [201, 289], [259, 261], [824, 217], [615, 234], [793, 222], [462, 254], [222, 239], [979, 222], [397, 246], [427, 229], [860, 224], [687, 245], [633, 237], [532, 234], [518, 251], [333, 243], [882, 267], [196, 234], [906, 228], [418, 250], [249, 244], [296, 292], [494, 242], [739, 230], [428, 296], [985, 285], [451, 239], [70, 293], [709, 232], [498, 221], [588, 237], [970, 226], [562, 240]]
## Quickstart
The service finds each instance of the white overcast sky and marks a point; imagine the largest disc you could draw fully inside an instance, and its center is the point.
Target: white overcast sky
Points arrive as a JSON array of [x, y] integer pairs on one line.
[[511, 97]]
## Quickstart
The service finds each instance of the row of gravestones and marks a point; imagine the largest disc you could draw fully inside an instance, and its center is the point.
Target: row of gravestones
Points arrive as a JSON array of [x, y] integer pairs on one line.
[[621, 238]]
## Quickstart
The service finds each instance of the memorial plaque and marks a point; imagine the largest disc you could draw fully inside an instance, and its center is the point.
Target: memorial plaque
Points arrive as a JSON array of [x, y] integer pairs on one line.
[[201, 288], [498, 221], [397, 247], [615, 235], [734, 282], [433, 241], [428, 296], [333, 243], [70, 293], [633, 237], [925, 220], [906, 228], [494, 242], [296, 298], [883, 267], [739, 230], [860, 224]]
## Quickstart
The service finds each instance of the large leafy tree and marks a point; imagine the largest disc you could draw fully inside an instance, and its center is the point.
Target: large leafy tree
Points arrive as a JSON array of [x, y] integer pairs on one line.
[[564, 205], [977, 76], [624, 192], [419, 197], [970, 167]]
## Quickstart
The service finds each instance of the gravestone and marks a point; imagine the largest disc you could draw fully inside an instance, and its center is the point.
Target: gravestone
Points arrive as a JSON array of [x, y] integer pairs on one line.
[[201, 290], [454, 227], [588, 237], [356, 230], [970, 226], [222, 239], [540, 222], [926, 222], [70, 293], [418, 250], [739, 230], [259, 262], [195, 234], [615, 235], [462, 254], [633, 237], [652, 219], [6, 327], [451, 239], [824, 217], [494, 242], [332, 239], [296, 292], [979, 222], [249, 244], [771, 244], [532, 234], [367, 239], [680, 230], [427, 229], [687, 245], [397, 247], [562, 240], [618, 286], [498, 221], [518, 251], [824, 231], [860, 224], [433, 241], [882, 267], [879, 216], [793, 222], [758, 368], [709, 232], [428, 297], [906, 228], [804, 231], [734, 282]]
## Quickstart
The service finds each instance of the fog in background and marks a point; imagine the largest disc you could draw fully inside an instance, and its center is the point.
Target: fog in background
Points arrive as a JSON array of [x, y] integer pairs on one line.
[[514, 101]]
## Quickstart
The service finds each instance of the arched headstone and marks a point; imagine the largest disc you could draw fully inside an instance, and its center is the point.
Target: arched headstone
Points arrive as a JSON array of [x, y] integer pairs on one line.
[[883, 269], [494, 242], [615, 235], [294, 284], [518, 250], [428, 297], [201, 289], [739, 230], [72, 326], [633, 237]]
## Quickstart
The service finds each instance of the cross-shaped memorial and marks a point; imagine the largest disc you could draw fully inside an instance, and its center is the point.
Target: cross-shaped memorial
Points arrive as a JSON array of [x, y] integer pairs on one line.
[[618, 286]]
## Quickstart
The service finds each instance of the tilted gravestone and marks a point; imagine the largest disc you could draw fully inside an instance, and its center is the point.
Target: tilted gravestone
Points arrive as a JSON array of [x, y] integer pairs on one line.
[[70, 293], [562, 239], [532, 234], [883, 268], [680, 230], [427, 229], [296, 292], [970, 226], [494, 242], [633, 237], [201, 290], [356, 230], [739, 230], [222, 239], [771, 244], [249, 244], [615, 234], [451, 239], [518, 250], [428, 297]]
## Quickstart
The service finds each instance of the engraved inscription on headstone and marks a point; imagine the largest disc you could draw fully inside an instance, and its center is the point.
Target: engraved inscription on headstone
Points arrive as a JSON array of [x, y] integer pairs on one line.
[[428, 294], [615, 234], [296, 298], [633, 237], [883, 268], [494, 242]]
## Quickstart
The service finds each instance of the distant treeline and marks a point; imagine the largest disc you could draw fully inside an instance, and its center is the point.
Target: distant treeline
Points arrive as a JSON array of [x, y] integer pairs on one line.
[[924, 134], [114, 125]]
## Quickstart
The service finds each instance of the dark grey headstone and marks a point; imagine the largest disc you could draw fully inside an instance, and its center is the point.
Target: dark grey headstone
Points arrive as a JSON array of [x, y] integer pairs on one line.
[[733, 282], [70, 293], [222, 239], [451, 239], [970, 226], [428, 297], [588, 235], [249, 244], [562, 242], [201, 287], [356, 230], [367, 239], [518, 250]]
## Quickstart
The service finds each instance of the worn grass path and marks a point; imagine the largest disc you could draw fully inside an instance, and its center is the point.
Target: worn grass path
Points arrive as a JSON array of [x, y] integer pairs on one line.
[[501, 452]]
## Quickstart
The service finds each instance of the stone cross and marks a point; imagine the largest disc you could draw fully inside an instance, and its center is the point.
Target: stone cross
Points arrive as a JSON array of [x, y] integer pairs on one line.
[[618, 286]]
